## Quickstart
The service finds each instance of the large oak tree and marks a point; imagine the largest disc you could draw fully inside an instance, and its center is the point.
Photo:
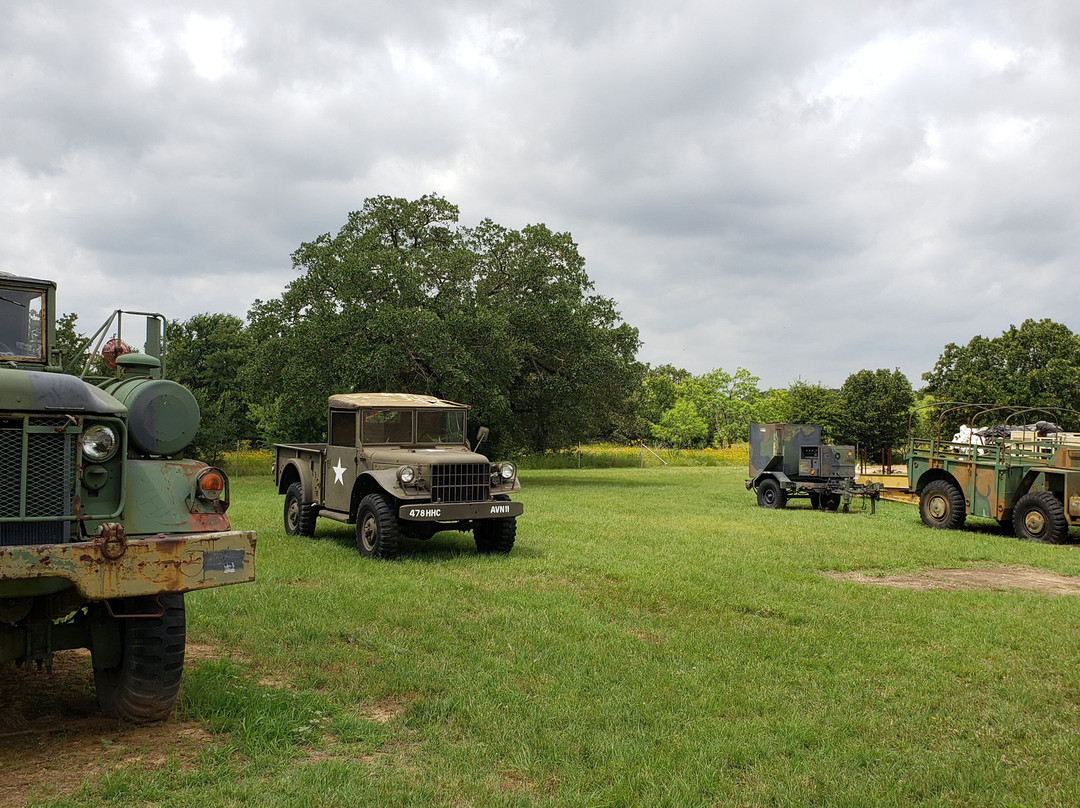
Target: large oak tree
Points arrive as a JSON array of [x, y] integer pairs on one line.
[[405, 299]]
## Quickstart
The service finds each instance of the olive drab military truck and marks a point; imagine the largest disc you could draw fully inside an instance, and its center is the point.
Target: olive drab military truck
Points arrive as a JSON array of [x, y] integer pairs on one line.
[[1024, 475], [103, 527], [789, 461], [398, 464]]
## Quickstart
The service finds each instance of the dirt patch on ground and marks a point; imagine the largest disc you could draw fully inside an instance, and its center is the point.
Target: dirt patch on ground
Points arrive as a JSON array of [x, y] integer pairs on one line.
[[385, 711], [53, 737], [972, 578]]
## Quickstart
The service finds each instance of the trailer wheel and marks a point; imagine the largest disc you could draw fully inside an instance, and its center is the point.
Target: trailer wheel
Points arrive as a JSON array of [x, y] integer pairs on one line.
[[770, 494], [830, 502], [376, 528], [299, 515], [1039, 516], [495, 535], [143, 685], [941, 506]]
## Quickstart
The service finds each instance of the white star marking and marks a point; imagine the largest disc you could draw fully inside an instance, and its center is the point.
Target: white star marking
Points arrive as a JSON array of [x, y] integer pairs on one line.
[[339, 473]]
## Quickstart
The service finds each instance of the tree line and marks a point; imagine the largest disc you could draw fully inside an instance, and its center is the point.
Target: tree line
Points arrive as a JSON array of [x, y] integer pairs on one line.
[[405, 298]]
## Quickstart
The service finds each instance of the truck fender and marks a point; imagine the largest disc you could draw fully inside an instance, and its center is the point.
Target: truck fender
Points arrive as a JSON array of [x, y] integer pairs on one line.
[[779, 476], [379, 481], [295, 471]]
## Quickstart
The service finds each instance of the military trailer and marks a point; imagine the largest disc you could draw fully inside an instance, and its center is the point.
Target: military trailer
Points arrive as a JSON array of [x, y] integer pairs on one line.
[[103, 526], [1024, 475], [789, 461], [398, 464]]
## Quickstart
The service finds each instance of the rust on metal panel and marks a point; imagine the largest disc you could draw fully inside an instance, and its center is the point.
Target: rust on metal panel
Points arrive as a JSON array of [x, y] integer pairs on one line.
[[145, 566]]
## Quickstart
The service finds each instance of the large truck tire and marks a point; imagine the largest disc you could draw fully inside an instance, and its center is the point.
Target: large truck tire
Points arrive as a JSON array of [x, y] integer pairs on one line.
[[143, 686], [376, 528], [495, 536], [1039, 516], [299, 515], [941, 506]]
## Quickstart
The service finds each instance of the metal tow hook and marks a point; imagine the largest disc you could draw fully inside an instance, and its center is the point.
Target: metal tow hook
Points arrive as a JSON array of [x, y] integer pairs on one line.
[[113, 542]]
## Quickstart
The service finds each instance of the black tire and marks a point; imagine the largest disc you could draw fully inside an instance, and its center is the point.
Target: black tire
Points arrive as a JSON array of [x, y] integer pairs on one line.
[[830, 502], [144, 685], [1040, 516], [495, 535], [770, 494], [376, 528], [815, 501], [299, 515], [941, 506]]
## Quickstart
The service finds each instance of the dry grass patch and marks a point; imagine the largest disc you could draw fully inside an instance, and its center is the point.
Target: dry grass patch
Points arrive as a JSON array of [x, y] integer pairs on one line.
[[971, 578]]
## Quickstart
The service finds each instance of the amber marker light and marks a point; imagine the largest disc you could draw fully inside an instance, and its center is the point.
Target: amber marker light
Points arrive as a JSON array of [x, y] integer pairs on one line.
[[211, 484]]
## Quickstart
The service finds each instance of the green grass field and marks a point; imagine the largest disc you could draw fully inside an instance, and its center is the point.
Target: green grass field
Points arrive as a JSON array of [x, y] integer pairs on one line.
[[654, 639]]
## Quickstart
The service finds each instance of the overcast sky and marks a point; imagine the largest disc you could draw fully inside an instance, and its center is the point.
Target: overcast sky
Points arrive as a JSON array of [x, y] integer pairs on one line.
[[802, 189]]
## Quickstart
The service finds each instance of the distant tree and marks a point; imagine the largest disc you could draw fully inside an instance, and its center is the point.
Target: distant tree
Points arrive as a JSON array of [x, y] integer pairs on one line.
[[814, 404], [656, 395], [69, 342], [405, 299], [1036, 365], [206, 354], [728, 402], [875, 408], [682, 426]]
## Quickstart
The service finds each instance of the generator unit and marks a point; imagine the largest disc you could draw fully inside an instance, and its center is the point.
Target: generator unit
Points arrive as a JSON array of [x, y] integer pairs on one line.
[[789, 460]]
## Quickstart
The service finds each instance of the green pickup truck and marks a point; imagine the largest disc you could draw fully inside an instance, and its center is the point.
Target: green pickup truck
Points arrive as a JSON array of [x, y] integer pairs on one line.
[[398, 464]]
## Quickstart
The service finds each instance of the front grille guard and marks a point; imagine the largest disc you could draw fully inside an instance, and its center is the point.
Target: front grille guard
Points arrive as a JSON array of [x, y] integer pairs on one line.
[[461, 482], [39, 474]]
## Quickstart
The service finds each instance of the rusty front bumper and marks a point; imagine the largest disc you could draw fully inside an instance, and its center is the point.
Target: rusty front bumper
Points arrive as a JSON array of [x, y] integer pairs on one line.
[[113, 566]]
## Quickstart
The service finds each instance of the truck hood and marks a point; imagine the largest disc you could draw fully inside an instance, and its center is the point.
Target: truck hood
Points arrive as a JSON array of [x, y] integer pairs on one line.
[[398, 456], [38, 391]]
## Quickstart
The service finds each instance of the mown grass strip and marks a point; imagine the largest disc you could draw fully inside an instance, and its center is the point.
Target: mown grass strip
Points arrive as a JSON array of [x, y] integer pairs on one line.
[[654, 639]]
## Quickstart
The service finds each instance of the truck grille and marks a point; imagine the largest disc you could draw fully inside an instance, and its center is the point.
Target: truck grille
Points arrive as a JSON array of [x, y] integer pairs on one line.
[[460, 482], [37, 481]]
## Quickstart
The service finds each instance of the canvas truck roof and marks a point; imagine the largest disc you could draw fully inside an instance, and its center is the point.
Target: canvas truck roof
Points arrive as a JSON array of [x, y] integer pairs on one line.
[[356, 401]]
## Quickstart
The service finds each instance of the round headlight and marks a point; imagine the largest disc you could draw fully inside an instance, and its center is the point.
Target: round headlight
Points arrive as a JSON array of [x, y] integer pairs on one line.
[[100, 442], [507, 471], [406, 474]]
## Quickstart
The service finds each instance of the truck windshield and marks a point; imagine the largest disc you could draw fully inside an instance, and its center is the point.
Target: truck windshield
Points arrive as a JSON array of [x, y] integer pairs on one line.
[[21, 313], [396, 426], [440, 426]]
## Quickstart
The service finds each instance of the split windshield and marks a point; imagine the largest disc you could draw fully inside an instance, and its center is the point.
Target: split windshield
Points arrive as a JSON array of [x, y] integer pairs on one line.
[[413, 426], [21, 313]]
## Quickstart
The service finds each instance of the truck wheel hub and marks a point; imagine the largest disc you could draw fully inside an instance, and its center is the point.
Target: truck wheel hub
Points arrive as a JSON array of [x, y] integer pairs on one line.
[[1034, 522], [939, 508]]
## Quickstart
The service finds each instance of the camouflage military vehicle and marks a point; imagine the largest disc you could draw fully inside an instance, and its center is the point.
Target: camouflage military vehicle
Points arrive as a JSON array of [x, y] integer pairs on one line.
[[398, 464], [103, 527], [789, 461], [1024, 475]]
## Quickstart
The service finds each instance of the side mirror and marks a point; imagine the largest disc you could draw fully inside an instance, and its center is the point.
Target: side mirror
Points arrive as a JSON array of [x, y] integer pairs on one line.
[[481, 436]]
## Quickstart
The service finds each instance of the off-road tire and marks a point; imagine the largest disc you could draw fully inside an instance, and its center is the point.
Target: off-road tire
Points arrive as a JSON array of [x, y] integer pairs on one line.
[[376, 528], [1040, 516], [831, 502], [144, 685], [495, 536], [770, 494], [299, 515], [941, 506]]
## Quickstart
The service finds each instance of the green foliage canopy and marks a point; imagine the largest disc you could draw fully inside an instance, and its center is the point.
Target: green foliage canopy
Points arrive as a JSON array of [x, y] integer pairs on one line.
[[405, 299], [205, 354], [874, 406], [1035, 365]]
